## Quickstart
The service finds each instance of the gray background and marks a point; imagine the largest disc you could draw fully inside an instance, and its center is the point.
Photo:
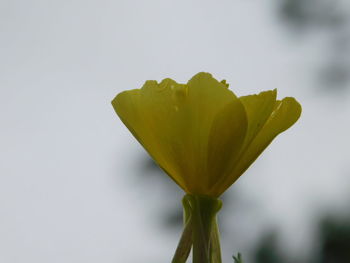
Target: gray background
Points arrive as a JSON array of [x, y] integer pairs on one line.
[[72, 186]]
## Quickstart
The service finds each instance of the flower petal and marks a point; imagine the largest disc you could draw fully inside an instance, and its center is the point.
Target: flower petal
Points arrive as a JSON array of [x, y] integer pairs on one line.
[[258, 109], [173, 123], [208, 105], [225, 141], [145, 113], [284, 115]]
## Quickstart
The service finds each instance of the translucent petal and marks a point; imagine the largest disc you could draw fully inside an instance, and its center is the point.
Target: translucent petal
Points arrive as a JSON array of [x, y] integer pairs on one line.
[[143, 112], [258, 109], [284, 115], [226, 139], [211, 106], [174, 124]]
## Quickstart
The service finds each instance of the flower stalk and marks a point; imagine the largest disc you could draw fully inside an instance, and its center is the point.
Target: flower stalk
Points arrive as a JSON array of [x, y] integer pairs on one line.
[[200, 230], [185, 244]]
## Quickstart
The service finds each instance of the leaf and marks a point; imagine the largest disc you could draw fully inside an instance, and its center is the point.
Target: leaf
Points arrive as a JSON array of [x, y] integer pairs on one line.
[[238, 259]]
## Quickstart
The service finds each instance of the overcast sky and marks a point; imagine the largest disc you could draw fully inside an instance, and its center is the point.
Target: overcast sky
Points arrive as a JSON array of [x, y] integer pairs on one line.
[[67, 187]]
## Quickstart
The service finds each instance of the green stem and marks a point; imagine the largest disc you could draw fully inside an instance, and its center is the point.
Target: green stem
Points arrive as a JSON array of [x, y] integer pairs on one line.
[[215, 249], [200, 230], [185, 244], [204, 210]]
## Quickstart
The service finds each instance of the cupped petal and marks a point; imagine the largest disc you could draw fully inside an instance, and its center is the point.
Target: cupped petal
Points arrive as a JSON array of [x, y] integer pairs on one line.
[[283, 116], [206, 101], [148, 114], [225, 141], [258, 109], [173, 123]]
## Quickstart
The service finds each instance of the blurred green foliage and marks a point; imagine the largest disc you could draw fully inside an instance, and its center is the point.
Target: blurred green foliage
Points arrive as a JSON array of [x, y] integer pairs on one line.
[[332, 18], [335, 240], [268, 250], [238, 258]]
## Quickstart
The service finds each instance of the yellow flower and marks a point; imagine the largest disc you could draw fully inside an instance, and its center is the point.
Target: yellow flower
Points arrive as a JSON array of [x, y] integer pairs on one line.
[[200, 133]]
